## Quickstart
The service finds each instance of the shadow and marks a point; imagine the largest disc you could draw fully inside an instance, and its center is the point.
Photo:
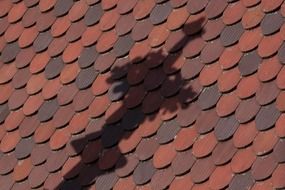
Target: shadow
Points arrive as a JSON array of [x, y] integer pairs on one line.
[[123, 122]]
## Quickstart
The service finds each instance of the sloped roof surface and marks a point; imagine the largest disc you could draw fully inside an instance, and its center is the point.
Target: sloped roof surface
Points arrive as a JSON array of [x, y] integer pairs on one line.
[[142, 94]]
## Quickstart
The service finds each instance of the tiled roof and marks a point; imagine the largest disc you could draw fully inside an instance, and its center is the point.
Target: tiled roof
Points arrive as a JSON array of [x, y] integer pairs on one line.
[[142, 94]]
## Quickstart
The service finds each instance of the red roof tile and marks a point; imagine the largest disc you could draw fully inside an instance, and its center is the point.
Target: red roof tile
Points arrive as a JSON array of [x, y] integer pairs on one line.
[[122, 94]]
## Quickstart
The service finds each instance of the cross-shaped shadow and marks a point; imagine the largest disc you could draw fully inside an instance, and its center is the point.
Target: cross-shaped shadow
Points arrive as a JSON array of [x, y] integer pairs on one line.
[[111, 131]]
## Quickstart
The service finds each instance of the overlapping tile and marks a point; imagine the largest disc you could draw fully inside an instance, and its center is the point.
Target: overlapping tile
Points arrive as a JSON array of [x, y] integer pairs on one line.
[[120, 94]]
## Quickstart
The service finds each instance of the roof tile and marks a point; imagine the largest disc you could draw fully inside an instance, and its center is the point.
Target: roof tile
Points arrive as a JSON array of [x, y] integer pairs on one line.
[[263, 167]]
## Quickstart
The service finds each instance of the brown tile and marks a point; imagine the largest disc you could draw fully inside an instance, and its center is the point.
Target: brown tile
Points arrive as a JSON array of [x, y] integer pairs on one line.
[[281, 55], [212, 52], [53, 181], [152, 102], [13, 120], [193, 47], [278, 151], [6, 182], [30, 16], [16, 12], [267, 93], [22, 169], [93, 15], [129, 142], [194, 7], [45, 21], [278, 126], [51, 88], [254, 60], [47, 110], [24, 57], [99, 105], [188, 115], [204, 145], [106, 181], [72, 52], [252, 17], [85, 78], [278, 176], [126, 165], [250, 39], [141, 29], [139, 51], [62, 7], [69, 73], [243, 114], [202, 169], [90, 153], [101, 84], [269, 69], [206, 121], [56, 160], [37, 176], [226, 127], [142, 9], [181, 182], [233, 13], [75, 31], [7, 163], [271, 23], [44, 132], [262, 120], [215, 8], [90, 35], [108, 158], [185, 138], [160, 13], [78, 122], [10, 52], [162, 178], [173, 63], [156, 75], [60, 26], [132, 118], [264, 142], [4, 25], [164, 155], [111, 135], [158, 35], [263, 167], [209, 97], [280, 79], [9, 141], [126, 6], [280, 101], [66, 94], [221, 177], [82, 100], [228, 80], [231, 34], [40, 154], [210, 74], [182, 162], [243, 160], [87, 57], [212, 29], [118, 89], [21, 78], [17, 99], [125, 24], [223, 152], [123, 45], [146, 148], [54, 68], [4, 112], [195, 24], [13, 32], [42, 41], [105, 61], [248, 86], [124, 183], [143, 172], [39, 62], [243, 180]]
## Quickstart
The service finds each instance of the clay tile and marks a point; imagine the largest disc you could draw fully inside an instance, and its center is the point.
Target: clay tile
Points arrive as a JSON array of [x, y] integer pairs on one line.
[[213, 10], [90, 153], [243, 114], [62, 7], [90, 35], [16, 12], [30, 16], [60, 26], [269, 45], [250, 39], [244, 180], [42, 41], [22, 169], [158, 35], [7, 72], [160, 13], [202, 169], [75, 31], [162, 178], [210, 74], [13, 120], [37, 176], [93, 15], [204, 145], [13, 32], [126, 165], [230, 57], [24, 57], [263, 167], [125, 183], [51, 88], [270, 6], [146, 148], [85, 78], [173, 64], [278, 176], [125, 6], [82, 100], [278, 151], [125, 24], [66, 93], [46, 5], [209, 97], [190, 91], [227, 104], [9, 141], [4, 25], [249, 63], [262, 120], [101, 84], [7, 163], [194, 7], [181, 182], [106, 5], [156, 75], [177, 18], [129, 142], [115, 112], [10, 52], [267, 93], [27, 36], [169, 108], [106, 181], [212, 51], [201, 186], [182, 162], [136, 73], [229, 80], [281, 54], [132, 118], [47, 110], [24, 148], [123, 45], [266, 72], [99, 105], [141, 29], [69, 73], [250, 3], [4, 112], [280, 79], [59, 139], [223, 152], [226, 127], [108, 20], [87, 57], [56, 160], [39, 62], [194, 46], [185, 138], [278, 126], [264, 142], [77, 11], [139, 51], [195, 24], [164, 155], [109, 158], [143, 8], [280, 101], [54, 67], [243, 160], [45, 21], [72, 51], [252, 17], [105, 61], [53, 181], [28, 126], [63, 116], [150, 125], [32, 104], [188, 114], [221, 177], [40, 154], [143, 172], [78, 122], [21, 78], [8, 89], [212, 29], [248, 86], [231, 34], [118, 89], [17, 99], [167, 132], [233, 13], [271, 23], [152, 101]]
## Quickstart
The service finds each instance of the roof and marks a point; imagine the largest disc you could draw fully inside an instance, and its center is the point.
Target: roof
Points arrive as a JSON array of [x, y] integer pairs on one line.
[[142, 94]]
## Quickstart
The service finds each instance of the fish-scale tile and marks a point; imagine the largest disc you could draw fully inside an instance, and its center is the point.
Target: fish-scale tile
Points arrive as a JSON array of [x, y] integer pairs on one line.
[[249, 63], [51, 88], [17, 99], [125, 24], [202, 169], [37, 176], [47, 110], [24, 58], [212, 29], [185, 138], [143, 8], [223, 152], [271, 23], [221, 177], [264, 142], [162, 178], [212, 51], [215, 8], [263, 167], [164, 155], [226, 127], [77, 11], [30, 16], [209, 97], [191, 112], [42, 41], [231, 34], [204, 145], [24, 148], [16, 12], [6, 182], [10, 52], [45, 21], [210, 74], [269, 45], [22, 169], [69, 73], [281, 55], [60, 26], [250, 39], [123, 45], [75, 31], [146, 148], [9, 141], [7, 163], [242, 160], [177, 18], [13, 120], [13, 32], [278, 149], [252, 17], [233, 13], [243, 180], [126, 6], [262, 120], [160, 13], [105, 61], [182, 162], [143, 172], [39, 62], [269, 69], [278, 176], [267, 93]]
